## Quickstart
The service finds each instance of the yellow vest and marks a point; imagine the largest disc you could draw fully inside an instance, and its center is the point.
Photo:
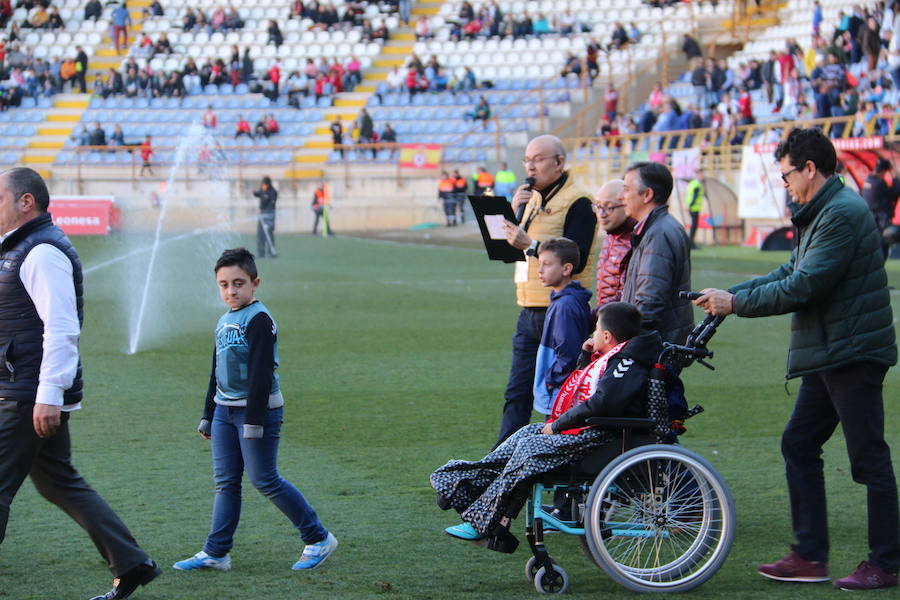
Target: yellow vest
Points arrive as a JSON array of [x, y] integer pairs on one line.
[[548, 223]]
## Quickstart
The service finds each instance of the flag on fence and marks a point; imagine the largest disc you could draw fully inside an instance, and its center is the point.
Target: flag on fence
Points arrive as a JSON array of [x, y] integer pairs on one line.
[[420, 156]]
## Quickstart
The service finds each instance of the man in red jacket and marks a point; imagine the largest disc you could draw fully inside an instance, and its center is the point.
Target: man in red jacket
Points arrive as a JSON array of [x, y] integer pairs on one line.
[[619, 227]]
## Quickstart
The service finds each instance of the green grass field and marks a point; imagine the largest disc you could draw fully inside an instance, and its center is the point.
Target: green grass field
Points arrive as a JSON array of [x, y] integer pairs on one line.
[[393, 360]]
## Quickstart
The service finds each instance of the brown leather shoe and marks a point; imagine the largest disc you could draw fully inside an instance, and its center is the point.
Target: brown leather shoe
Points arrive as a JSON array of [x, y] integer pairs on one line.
[[867, 577], [794, 567]]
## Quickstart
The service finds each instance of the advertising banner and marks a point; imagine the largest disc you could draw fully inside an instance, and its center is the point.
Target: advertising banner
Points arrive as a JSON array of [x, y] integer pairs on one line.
[[84, 215]]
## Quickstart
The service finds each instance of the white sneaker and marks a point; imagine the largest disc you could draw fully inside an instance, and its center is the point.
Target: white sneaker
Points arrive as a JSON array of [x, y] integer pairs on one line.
[[315, 554], [202, 560]]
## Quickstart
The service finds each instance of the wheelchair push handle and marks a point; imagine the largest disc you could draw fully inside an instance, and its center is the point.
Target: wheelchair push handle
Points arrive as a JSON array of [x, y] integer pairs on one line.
[[694, 348], [689, 295]]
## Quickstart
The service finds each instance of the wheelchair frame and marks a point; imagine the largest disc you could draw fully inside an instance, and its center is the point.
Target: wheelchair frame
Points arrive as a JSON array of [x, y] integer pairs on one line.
[[679, 513]]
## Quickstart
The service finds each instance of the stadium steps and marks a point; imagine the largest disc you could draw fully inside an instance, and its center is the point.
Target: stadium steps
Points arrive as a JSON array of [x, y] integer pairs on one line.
[[317, 147], [52, 134], [761, 17], [429, 9], [105, 57]]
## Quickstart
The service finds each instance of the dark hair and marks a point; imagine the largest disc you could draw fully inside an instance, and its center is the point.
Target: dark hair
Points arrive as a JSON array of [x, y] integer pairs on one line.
[[237, 257], [22, 180], [654, 176], [882, 165], [267, 180], [621, 319], [803, 144], [565, 250]]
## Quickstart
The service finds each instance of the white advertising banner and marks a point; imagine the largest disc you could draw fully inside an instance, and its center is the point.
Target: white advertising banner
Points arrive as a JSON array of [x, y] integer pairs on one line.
[[686, 163], [761, 192]]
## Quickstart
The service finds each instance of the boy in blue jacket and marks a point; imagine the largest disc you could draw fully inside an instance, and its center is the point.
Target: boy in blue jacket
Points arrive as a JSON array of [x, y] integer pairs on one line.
[[566, 324]]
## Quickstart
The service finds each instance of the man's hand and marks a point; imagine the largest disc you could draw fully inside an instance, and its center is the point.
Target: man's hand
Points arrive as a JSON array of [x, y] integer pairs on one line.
[[547, 429], [588, 345], [516, 236], [522, 195], [46, 419], [715, 302]]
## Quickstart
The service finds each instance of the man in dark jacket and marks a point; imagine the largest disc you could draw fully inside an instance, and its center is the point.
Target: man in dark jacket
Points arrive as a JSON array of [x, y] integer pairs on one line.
[[41, 309], [265, 228], [881, 198], [842, 344], [659, 264]]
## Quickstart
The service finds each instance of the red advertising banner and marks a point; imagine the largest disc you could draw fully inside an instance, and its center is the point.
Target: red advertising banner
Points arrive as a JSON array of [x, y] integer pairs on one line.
[[846, 144], [84, 215]]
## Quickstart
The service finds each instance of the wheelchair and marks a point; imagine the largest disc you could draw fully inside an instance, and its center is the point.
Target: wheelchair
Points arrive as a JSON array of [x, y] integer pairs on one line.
[[657, 517]]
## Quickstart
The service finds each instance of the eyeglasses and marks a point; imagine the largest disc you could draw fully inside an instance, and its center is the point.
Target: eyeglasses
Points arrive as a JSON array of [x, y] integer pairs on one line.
[[533, 161], [784, 176], [605, 210]]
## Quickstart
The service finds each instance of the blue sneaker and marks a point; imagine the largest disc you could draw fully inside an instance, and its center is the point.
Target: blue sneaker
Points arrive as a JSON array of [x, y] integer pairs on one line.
[[464, 531], [315, 554], [202, 560]]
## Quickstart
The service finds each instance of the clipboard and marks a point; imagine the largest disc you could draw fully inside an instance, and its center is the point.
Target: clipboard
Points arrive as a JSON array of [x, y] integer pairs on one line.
[[490, 212]]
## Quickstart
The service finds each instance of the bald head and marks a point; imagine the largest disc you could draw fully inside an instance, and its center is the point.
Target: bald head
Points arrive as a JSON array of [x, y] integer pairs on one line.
[[545, 160], [609, 191], [549, 144], [610, 212]]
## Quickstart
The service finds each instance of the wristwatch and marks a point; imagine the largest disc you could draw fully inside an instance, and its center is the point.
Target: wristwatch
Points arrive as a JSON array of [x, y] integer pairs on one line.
[[532, 249]]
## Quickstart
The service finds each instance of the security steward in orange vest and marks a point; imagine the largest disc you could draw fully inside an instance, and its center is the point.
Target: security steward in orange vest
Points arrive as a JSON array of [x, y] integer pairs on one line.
[[460, 187], [447, 195], [554, 206], [483, 181], [320, 199]]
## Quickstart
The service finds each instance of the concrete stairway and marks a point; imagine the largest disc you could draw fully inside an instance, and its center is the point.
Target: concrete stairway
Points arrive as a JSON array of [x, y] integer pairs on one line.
[[52, 134], [105, 57], [309, 161]]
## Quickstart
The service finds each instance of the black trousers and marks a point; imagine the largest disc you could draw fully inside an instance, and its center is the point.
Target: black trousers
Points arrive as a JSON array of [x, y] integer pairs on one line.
[[695, 221], [519, 388], [852, 396], [48, 462]]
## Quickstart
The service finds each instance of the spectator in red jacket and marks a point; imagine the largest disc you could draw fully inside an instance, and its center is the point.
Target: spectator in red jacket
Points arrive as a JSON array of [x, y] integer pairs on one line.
[[146, 153], [272, 124], [243, 128]]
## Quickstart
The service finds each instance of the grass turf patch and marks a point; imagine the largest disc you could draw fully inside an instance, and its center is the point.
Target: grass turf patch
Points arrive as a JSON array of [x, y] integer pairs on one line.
[[393, 360]]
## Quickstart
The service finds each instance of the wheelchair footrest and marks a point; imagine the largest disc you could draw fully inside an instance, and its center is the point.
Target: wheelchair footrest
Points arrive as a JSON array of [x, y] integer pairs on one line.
[[504, 542]]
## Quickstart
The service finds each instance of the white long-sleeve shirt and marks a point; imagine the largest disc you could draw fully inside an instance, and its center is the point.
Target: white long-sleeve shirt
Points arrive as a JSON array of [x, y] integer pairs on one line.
[[46, 274]]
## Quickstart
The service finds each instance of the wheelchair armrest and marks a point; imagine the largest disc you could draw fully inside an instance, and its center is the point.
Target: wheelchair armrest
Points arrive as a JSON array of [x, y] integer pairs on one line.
[[621, 422]]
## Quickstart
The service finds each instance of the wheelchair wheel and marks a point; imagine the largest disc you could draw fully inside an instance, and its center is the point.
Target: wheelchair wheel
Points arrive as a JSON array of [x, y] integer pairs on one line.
[[531, 568], [659, 518], [556, 582]]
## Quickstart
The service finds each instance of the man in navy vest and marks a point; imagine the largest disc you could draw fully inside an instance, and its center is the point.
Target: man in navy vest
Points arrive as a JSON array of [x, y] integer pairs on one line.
[[40, 376]]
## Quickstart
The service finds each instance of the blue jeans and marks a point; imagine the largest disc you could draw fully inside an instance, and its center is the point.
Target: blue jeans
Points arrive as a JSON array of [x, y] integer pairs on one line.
[[231, 453]]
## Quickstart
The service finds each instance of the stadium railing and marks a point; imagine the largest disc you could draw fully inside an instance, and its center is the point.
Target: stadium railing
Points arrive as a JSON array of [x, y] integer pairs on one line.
[[602, 158]]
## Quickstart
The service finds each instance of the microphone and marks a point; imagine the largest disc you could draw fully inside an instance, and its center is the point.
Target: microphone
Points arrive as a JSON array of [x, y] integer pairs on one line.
[[529, 181]]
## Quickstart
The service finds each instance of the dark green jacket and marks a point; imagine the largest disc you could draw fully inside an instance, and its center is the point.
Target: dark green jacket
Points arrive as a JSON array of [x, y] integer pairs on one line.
[[834, 283]]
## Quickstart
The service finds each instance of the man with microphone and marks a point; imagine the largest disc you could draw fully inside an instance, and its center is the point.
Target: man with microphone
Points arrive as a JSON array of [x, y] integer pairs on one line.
[[550, 204]]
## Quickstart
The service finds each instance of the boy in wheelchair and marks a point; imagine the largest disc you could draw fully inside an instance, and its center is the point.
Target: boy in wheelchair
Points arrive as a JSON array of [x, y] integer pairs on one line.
[[609, 381]]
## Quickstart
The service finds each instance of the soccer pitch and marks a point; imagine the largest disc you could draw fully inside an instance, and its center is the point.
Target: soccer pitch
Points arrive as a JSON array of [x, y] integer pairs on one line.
[[394, 358]]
